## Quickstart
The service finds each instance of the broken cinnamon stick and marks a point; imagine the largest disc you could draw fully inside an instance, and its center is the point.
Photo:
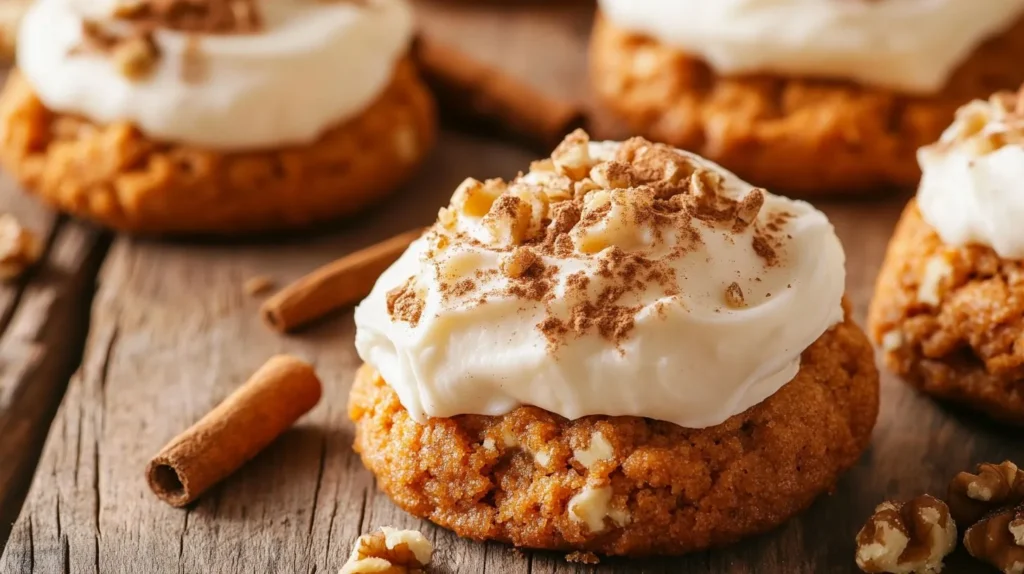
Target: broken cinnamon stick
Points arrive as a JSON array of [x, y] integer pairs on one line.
[[473, 92], [335, 285], [280, 392]]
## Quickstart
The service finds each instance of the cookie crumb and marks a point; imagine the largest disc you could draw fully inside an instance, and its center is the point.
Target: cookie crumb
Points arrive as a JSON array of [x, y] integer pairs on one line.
[[258, 285], [19, 248], [583, 558]]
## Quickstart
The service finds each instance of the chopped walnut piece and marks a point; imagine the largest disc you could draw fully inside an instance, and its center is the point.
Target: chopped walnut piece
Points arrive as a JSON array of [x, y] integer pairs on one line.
[[572, 156], [519, 262], [936, 271], [582, 558], [734, 296], [19, 248], [749, 207], [389, 551], [205, 16], [996, 540], [971, 496], [592, 504], [474, 198], [135, 58], [612, 175], [135, 53], [982, 127], [508, 220], [598, 450], [907, 537]]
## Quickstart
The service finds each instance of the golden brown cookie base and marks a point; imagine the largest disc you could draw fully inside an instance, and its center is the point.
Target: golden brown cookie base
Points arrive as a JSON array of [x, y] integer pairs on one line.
[[116, 176], [797, 135], [682, 489], [968, 348]]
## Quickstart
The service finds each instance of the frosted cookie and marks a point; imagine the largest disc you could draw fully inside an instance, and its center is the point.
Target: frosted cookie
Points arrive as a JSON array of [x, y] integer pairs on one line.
[[948, 310], [627, 350], [164, 116], [807, 96]]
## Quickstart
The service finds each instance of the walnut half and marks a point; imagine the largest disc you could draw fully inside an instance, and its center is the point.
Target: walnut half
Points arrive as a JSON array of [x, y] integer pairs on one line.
[[389, 551], [972, 496], [907, 537], [998, 539]]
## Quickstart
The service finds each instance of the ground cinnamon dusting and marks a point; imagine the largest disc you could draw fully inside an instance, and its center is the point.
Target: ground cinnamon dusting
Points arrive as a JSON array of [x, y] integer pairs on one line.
[[404, 303], [634, 215]]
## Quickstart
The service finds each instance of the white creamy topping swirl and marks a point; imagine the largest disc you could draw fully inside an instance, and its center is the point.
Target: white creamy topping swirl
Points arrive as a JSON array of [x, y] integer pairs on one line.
[[313, 65], [906, 45], [659, 285], [970, 190]]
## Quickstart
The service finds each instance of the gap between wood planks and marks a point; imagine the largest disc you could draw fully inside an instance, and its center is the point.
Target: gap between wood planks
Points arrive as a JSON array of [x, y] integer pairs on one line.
[[44, 320]]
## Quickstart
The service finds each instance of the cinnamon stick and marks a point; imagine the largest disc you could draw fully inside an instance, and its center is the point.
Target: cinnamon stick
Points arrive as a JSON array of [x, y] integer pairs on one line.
[[280, 392], [473, 92], [335, 285]]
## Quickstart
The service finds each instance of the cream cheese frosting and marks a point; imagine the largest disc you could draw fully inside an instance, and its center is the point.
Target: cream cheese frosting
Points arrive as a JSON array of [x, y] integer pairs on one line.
[[613, 279], [906, 45], [970, 190], [312, 65]]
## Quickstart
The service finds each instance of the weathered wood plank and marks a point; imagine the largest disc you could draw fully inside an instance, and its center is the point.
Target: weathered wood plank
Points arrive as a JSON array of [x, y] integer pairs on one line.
[[42, 328]]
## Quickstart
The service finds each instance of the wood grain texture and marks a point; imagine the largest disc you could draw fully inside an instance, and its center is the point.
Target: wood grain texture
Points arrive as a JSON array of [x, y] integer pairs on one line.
[[173, 333], [42, 327]]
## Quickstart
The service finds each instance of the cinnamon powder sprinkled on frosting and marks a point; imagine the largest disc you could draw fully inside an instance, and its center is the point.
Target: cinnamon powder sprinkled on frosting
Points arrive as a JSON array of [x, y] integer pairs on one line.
[[404, 303], [573, 207]]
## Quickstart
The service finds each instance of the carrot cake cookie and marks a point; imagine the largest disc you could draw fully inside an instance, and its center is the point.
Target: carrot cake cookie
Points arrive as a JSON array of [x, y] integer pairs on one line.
[[627, 350], [948, 310], [806, 96], [210, 116]]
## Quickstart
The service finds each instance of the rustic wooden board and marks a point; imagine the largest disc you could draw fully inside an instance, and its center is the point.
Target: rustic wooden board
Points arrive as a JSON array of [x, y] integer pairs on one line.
[[173, 333], [42, 327]]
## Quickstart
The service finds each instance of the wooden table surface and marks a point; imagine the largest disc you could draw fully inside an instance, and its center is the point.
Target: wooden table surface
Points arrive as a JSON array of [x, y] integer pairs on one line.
[[171, 333]]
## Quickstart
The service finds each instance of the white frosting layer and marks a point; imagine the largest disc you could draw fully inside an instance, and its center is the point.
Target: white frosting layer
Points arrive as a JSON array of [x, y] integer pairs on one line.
[[908, 45], [314, 65], [970, 190], [690, 358]]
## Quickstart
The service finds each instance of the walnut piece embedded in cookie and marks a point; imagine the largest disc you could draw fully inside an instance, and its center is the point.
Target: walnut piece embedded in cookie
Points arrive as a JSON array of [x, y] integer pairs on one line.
[[995, 486], [907, 537], [998, 539], [19, 248], [389, 551]]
